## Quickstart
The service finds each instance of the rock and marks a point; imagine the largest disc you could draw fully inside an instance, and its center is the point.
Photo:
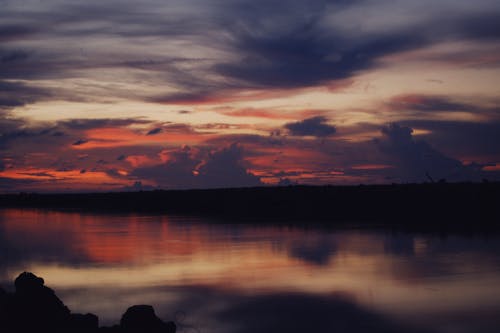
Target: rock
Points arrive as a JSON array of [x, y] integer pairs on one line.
[[3, 307], [170, 327], [112, 329], [37, 306], [3, 299], [28, 282], [142, 318], [83, 322]]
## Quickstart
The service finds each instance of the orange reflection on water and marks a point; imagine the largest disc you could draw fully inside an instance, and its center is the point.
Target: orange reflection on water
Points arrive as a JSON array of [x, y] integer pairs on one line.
[[395, 274]]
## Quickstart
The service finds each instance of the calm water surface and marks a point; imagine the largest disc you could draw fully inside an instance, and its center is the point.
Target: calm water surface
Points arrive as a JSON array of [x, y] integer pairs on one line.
[[216, 277]]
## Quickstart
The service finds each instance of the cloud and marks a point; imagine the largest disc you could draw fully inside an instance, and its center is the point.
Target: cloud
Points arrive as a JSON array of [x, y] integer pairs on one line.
[[15, 130], [53, 135], [306, 56], [245, 44], [428, 103], [176, 172], [80, 142], [315, 126], [224, 168], [186, 168], [84, 124], [154, 131], [15, 94], [12, 185], [11, 32], [473, 139], [414, 160]]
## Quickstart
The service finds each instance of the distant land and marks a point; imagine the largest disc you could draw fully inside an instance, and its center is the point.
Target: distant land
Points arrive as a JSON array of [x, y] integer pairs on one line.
[[457, 205]]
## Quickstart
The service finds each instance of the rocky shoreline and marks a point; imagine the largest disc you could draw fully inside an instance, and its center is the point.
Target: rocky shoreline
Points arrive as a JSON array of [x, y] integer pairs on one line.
[[34, 307]]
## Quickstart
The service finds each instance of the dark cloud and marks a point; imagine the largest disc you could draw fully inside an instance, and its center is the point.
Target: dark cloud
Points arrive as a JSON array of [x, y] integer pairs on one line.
[[155, 131], [269, 45], [12, 185], [308, 53], [415, 161], [14, 94], [224, 168], [8, 56], [12, 32], [305, 57], [14, 130], [83, 124], [315, 126], [483, 26], [80, 142], [54, 134], [211, 51], [177, 172], [249, 139], [185, 168], [462, 138], [429, 103], [192, 97]]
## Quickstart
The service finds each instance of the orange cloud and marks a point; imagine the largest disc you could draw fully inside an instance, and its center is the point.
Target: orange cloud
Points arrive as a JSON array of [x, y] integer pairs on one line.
[[120, 137], [49, 179], [495, 167], [140, 160], [267, 113]]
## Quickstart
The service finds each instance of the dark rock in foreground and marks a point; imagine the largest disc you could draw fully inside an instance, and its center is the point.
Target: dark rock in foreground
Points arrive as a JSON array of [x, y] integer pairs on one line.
[[142, 318], [34, 307]]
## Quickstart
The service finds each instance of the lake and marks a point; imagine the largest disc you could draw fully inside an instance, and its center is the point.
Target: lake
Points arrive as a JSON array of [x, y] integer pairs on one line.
[[217, 276]]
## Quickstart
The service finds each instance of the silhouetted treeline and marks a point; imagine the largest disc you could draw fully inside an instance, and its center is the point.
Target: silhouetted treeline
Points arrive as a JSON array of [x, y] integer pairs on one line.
[[34, 307], [458, 204]]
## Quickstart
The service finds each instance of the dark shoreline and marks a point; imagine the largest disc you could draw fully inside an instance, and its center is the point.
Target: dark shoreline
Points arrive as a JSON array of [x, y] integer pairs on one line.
[[34, 307], [456, 205]]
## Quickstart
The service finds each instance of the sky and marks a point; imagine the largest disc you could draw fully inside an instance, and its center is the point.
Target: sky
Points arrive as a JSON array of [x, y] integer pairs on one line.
[[138, 95]]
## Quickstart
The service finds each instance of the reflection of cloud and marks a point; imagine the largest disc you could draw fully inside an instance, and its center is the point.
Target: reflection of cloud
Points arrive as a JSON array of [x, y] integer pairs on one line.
[[22, 245], [305, 313], [119, 260], [317, 252]]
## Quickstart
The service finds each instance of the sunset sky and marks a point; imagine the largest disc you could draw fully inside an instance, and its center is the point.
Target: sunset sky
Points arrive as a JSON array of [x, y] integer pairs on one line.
[[129, 95]]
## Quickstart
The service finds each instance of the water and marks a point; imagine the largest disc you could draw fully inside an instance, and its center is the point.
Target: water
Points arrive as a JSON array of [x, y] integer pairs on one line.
[[220, 277]]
